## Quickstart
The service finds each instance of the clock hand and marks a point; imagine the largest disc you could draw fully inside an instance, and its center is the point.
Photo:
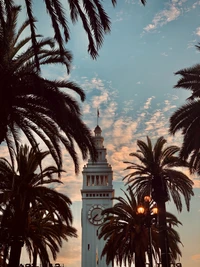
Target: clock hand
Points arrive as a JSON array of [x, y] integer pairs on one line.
[[95, 216]]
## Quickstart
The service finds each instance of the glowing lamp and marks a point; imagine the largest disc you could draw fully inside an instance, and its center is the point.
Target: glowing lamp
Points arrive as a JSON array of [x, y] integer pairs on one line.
[[140, 210]]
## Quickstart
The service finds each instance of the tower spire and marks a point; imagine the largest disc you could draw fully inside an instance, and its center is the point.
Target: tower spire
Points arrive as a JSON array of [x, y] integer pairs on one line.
[[97, 116]]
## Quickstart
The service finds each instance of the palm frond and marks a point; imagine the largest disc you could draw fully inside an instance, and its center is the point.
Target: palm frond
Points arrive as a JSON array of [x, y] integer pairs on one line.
[[36, 101], [156, 174]]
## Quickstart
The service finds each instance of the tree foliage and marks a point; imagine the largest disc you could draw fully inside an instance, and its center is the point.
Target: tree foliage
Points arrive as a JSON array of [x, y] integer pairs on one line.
[[186, 119], [28, 199], [33, 105], [95, 21], [45, 235], [127, 237], [155, 171]]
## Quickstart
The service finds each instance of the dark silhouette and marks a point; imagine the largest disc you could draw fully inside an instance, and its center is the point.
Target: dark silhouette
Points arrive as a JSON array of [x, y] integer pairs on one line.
[[94, 19], [155, 174], [30, 208], [96, 22], [187, 118], [32, 105], [127, 235]]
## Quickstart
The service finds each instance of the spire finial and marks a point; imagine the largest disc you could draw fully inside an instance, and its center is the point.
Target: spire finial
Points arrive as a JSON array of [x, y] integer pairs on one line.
[[97, 115]]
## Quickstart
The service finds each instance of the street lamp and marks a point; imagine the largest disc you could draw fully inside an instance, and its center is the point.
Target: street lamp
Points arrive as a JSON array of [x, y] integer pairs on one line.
[[150, 218]]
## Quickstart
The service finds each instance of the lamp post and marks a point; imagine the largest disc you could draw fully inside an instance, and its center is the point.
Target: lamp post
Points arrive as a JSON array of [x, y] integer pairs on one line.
[[150, 218]]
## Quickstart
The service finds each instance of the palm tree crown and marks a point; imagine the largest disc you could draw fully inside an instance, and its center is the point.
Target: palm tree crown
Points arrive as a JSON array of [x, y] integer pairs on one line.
[[34, 105], [156, 173], [43, 232], [25, 197], [127, 236], [94, 19], [186, 118]]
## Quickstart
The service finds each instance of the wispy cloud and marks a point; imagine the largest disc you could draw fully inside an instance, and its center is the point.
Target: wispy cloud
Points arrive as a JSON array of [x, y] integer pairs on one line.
[[148, 102], [121, 130], [197, 32], [128, 106], [196, 257], [191, 44], [119, 16], [170, 13], [139, 82], [168, 106], [196, 4], [196, 181]]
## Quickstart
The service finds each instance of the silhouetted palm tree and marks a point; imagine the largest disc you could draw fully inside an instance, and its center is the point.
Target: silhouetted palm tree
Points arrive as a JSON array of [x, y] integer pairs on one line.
[[34, 105], [127, 235], [187, 118], [94, 19], [45, 235], [23, 188], [154, 172]]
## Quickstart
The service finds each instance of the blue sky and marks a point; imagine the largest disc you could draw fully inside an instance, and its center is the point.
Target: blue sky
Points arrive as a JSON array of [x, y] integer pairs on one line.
[[131, 83]]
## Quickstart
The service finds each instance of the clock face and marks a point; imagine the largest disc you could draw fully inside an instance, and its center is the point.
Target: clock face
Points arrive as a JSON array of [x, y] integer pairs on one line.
[[95, 216]]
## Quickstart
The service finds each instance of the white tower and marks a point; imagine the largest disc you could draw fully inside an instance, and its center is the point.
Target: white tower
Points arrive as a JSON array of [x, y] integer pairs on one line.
[[97, 193]]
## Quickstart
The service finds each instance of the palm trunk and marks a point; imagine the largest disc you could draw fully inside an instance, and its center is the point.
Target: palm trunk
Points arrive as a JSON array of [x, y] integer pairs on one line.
[[15, 253], [165, 259], [34, 257], [150, 252], [160, 196], [18, 233], [140, 260], [5, 255]]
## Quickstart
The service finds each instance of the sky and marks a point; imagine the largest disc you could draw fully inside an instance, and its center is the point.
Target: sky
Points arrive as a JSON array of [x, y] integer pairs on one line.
[[131, 83]]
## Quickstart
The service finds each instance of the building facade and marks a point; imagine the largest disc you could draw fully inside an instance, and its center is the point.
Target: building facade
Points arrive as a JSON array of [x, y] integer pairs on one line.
[[97, 193]]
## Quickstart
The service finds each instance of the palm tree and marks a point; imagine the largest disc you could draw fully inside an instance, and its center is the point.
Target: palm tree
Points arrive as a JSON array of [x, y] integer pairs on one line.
[[94, 18], [44, 234], [127, 236], [24, 189], [186, 118], [156, 174], [36, 106]]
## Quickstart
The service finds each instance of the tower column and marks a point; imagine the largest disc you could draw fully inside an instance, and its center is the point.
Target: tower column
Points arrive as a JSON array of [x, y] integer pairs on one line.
[[97, 193]]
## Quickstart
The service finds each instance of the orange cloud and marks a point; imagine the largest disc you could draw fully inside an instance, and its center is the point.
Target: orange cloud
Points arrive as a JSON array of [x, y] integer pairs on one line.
[[196, 257]]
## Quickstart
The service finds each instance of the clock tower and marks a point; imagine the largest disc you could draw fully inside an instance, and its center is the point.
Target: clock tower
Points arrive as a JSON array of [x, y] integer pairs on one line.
[[97, 193]]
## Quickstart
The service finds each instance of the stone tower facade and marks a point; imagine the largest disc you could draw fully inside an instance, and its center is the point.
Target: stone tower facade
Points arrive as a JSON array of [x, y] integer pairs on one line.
[[97, 193]]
